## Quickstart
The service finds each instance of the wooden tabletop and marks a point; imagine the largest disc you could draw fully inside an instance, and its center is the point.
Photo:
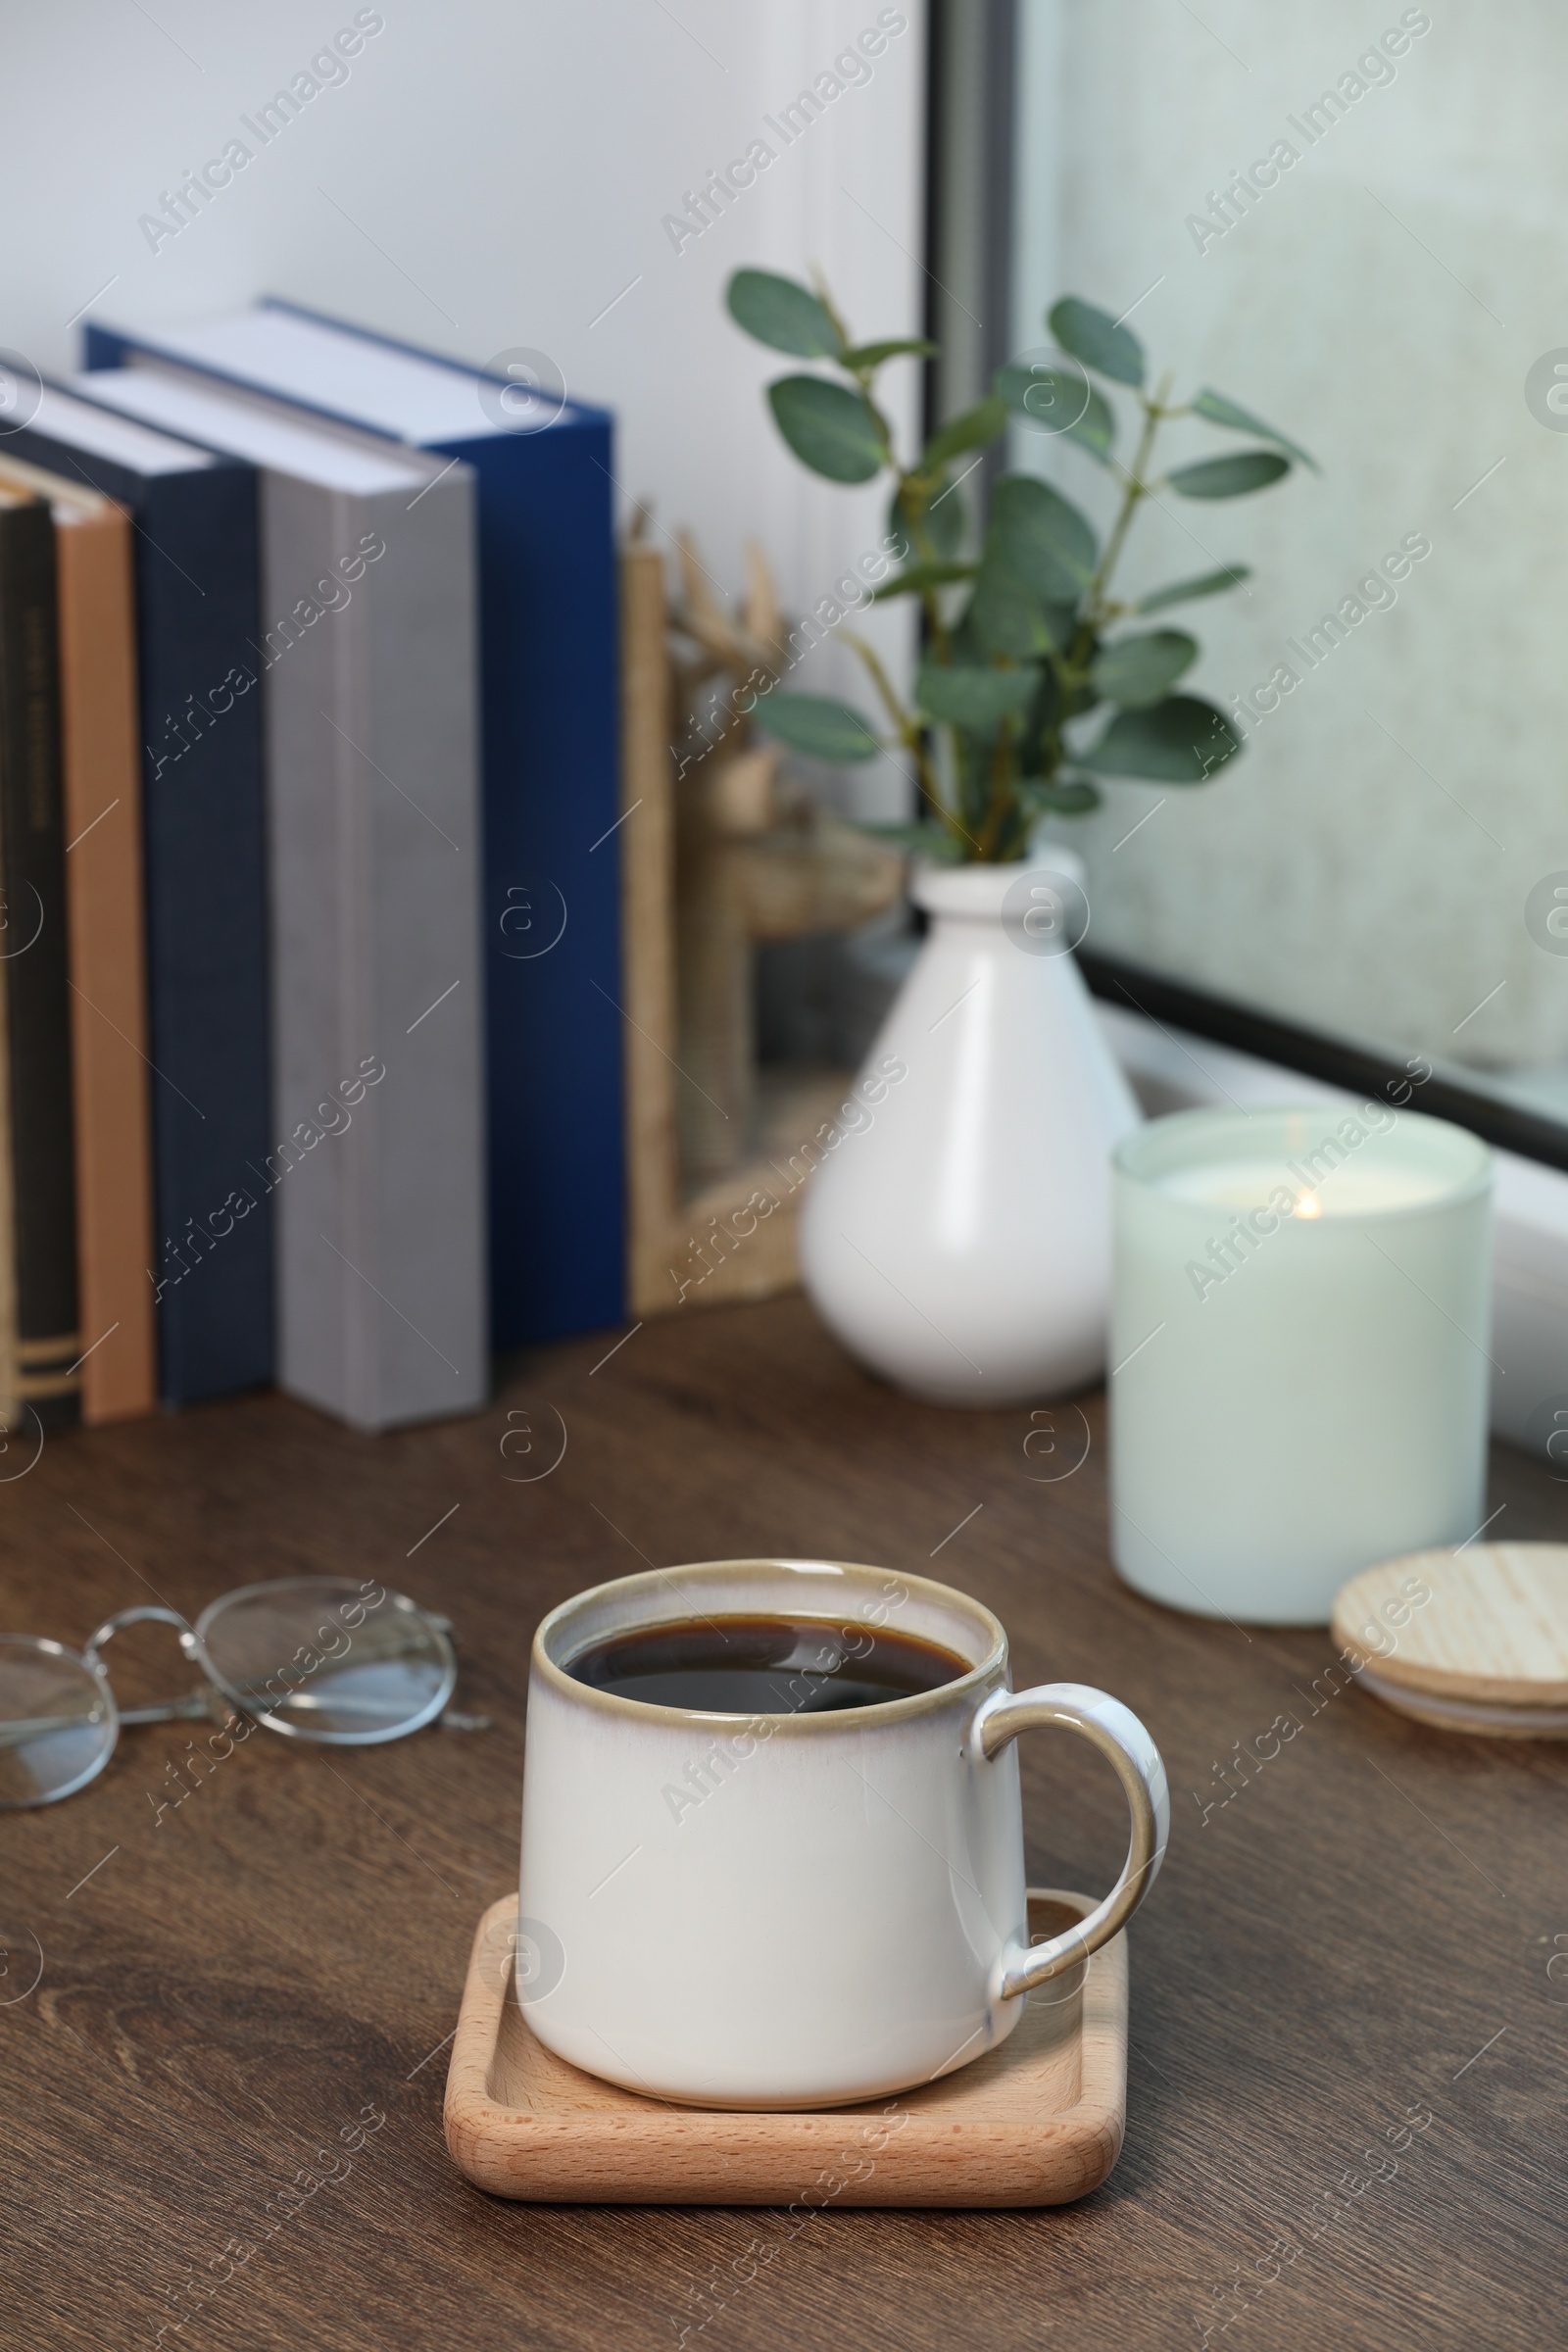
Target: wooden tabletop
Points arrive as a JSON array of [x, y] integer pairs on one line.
[[1349, 1988]]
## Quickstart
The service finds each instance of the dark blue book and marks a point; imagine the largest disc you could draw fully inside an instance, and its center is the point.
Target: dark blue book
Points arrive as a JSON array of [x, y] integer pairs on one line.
[[551, 762], [194, 519]]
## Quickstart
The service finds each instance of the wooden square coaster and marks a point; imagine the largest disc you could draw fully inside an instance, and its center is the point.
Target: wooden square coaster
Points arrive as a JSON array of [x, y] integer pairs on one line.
[[1037, 2121]]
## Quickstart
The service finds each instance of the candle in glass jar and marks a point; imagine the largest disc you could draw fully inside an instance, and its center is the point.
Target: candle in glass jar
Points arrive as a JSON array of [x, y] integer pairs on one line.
[[1299, 1352]]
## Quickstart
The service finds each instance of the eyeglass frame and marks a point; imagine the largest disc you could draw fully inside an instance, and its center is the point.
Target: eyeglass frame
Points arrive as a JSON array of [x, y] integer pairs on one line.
[[196, 1704]]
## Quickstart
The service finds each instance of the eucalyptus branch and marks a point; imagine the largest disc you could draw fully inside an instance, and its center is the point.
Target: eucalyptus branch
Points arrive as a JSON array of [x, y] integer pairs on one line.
[[924, 546], [904, 722], [837, 429], [910, 732], [911, 489], [820, 288], [1002, 796], [1136, 489]]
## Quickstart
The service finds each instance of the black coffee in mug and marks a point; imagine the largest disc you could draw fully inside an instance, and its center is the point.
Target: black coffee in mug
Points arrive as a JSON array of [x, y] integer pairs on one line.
[[766, 1665]]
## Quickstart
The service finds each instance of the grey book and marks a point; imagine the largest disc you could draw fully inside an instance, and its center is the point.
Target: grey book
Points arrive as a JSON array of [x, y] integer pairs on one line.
[[368, 666]]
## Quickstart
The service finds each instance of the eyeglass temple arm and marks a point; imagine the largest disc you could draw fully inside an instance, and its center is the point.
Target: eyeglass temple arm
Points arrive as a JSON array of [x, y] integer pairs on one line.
[[193, 1708]]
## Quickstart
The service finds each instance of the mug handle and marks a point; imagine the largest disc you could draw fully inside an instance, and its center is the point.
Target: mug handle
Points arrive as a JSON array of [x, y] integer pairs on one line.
[[1117, 1733]]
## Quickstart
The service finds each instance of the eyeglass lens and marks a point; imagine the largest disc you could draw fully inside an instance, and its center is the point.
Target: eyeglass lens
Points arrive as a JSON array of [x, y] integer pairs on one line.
[[328, 1659], [58, 1725]]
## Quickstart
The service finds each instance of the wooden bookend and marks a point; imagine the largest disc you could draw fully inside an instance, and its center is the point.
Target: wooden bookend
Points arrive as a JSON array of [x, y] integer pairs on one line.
[[717, 856]]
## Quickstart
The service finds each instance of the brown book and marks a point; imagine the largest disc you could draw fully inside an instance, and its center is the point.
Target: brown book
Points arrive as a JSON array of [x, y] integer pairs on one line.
[[46, 1389], [102, 793]]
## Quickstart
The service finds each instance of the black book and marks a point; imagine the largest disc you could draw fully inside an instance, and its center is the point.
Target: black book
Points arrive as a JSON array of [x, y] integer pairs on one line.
[[197, 579], [44, 1377]]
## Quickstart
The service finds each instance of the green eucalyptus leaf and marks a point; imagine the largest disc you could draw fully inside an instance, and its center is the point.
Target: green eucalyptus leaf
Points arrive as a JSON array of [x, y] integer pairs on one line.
[[1181, 741], [965, 650], [919, 578], [1042, 394], [829, 428], [1052, 398], [1096, 338], [938, 520], [1041, 718], [1003, 615], [816, 725], [1074, 798], [973, 699], [946, 521], [1042, 538], [1095, 430], [1205, 583], [1139, 670], [872, 355], [1229, 477], [1215, 409], [976, 429], [781, 313]]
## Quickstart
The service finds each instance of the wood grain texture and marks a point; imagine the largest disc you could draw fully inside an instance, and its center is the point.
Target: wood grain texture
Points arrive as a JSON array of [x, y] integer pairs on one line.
[[648, 947], [1495, 1630], [1038, 2122], [670, 1238], [1356, 1916], [717, 1150]]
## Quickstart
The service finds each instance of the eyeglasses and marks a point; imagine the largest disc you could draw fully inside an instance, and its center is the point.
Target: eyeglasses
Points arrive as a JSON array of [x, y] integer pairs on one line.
[[315, 1657]]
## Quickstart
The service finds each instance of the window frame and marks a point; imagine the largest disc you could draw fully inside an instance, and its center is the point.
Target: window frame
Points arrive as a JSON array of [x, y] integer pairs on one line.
[[971, 61]]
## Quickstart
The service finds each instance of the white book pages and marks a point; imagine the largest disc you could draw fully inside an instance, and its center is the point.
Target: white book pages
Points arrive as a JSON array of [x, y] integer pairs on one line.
[[90, 428], [368, 661], [330, 368], [249, 426]]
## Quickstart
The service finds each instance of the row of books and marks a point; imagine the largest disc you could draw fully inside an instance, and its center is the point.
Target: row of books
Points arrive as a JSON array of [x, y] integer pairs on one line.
[[308, 797]]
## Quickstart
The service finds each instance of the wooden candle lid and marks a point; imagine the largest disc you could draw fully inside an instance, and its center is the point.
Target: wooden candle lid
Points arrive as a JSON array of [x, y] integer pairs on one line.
[[1476, 1639]]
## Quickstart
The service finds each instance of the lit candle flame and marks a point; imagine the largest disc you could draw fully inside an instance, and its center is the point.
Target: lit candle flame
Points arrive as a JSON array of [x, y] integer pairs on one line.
[[1308, 1205]]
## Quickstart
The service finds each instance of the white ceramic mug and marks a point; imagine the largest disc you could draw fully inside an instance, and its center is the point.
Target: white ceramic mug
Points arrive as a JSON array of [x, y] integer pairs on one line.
[[805, 1909]]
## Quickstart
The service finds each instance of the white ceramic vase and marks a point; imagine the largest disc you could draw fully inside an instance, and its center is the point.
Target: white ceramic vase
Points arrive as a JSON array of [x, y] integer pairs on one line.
[[957, 1236]]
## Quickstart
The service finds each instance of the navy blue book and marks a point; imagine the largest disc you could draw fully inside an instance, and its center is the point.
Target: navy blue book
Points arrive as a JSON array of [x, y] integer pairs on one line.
[[198, 616], [550, 770]]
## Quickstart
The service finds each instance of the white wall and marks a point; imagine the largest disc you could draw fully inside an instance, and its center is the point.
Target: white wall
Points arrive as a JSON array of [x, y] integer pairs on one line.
[[492, 175]]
